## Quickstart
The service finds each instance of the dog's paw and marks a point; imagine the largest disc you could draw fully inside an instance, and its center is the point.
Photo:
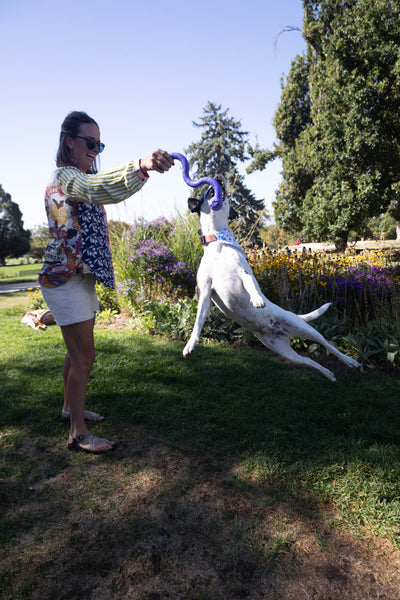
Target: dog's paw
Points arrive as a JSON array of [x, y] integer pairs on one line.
[[257, 301], [188, 349], [351, 362]]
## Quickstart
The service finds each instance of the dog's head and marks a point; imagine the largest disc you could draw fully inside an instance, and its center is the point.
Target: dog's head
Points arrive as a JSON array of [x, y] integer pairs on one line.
[[199, 205]]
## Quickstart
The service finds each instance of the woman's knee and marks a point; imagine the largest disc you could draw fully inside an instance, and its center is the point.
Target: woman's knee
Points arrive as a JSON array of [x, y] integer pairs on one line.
[[84, 360], [80, 345]]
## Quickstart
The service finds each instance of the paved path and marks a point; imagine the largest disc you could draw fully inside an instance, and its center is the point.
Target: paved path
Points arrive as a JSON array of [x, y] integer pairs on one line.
[[17, 287]]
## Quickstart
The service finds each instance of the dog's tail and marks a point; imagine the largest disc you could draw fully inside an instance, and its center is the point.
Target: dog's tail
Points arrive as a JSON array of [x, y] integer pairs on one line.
[[316, 313]]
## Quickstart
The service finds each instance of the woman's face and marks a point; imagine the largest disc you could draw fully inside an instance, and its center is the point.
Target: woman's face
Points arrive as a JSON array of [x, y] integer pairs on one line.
[[83, 156]]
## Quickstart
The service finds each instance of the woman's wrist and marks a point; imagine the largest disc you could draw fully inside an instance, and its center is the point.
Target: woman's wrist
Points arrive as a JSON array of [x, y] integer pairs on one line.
[[142, 168]]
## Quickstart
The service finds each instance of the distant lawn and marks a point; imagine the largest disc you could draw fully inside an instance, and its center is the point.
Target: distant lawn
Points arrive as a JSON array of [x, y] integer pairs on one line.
[[231, 468], [19, 273]]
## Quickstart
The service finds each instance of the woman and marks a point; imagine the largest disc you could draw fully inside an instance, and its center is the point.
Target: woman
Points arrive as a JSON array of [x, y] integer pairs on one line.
[[79, 253]]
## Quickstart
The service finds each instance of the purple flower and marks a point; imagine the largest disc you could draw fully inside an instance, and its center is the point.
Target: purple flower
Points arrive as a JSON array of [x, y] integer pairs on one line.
[[153, 260], [360, 282]]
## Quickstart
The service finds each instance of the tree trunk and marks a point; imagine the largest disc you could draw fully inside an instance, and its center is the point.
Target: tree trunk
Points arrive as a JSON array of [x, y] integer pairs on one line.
[[340, 245], [398, 231]]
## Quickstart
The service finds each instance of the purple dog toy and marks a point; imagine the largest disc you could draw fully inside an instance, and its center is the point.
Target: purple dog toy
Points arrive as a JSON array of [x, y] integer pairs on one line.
[[215, 202]]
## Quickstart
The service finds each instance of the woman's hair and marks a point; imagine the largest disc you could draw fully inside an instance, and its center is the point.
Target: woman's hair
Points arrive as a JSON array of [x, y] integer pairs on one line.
[[71, 126]]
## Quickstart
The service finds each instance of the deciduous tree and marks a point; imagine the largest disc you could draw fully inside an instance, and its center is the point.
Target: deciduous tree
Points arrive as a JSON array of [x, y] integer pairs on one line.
[[40, 237], [338, 123]]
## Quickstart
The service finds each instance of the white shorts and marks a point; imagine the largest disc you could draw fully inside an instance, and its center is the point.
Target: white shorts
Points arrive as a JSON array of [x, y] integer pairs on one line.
[[74, 301]]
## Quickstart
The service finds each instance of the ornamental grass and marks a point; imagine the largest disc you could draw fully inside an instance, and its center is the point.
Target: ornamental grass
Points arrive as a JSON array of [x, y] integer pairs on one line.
[[147, 265]]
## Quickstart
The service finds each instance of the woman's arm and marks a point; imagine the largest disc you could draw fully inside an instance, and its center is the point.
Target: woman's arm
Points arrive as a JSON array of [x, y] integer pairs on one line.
[[106, 187], [112, 186]]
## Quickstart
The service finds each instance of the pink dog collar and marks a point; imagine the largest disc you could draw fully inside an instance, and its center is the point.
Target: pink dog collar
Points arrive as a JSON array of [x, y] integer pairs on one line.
[[206, 239], [224, 235]]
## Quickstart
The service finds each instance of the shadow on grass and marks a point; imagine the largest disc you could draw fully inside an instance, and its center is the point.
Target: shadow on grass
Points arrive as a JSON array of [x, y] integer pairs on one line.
[[238, 399], [233, 400], [222, 459]]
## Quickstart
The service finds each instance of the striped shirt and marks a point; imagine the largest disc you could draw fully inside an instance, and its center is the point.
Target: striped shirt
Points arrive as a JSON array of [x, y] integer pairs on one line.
[[106, 187]]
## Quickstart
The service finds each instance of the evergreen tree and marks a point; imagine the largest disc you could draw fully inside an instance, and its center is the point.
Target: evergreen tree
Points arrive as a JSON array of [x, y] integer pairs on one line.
[[338, 124], [14, 239], [221, 148]]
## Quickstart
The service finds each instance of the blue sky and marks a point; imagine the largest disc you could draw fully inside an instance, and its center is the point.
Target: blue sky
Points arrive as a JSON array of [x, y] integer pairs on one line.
[[144, 71]]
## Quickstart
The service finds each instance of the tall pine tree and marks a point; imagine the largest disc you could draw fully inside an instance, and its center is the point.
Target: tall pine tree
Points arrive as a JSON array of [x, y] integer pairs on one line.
[[221, 149]]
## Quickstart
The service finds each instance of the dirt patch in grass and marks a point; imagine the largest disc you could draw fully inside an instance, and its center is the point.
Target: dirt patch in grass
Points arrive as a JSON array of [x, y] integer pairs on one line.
[[116, 322], [151, 522]]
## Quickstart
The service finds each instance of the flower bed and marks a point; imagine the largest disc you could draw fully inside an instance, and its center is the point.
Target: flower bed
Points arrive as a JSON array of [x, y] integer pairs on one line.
[[364, 289], [156, 264]]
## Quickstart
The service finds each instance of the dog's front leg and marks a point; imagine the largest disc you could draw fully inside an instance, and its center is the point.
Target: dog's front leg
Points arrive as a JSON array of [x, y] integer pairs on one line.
[[252, 288], [202, 312]]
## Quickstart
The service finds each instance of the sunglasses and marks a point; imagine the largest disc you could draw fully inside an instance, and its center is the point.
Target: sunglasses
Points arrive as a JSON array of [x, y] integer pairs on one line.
[[90, 142]]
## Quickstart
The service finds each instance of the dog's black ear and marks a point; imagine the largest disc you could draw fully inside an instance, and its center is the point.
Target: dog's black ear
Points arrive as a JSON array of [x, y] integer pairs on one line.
[[193, 205], [233, 214]]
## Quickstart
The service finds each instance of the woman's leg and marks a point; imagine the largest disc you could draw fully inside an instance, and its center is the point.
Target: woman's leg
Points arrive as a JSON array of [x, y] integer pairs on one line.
[[88, 415], [78, 363], [65, 376], [79, 340]]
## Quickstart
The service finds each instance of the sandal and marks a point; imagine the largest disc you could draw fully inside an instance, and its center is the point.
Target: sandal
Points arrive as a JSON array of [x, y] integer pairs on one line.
[[89, 416], [87, 442]]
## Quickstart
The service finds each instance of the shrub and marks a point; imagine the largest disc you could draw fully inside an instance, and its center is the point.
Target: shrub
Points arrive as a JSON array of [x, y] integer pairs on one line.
[[156, 262], [36, 301], [175, 320], [108, 298], [146, 266]]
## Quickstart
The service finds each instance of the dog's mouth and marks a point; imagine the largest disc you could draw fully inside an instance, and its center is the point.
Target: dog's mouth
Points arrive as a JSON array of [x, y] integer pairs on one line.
[[194, 204]]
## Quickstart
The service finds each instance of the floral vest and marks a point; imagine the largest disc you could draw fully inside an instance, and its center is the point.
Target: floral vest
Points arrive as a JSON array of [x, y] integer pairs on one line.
[[96, 251], [80, 237]]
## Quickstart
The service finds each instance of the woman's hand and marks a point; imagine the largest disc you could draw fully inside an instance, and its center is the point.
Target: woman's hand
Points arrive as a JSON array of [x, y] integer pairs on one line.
[[159, 161]]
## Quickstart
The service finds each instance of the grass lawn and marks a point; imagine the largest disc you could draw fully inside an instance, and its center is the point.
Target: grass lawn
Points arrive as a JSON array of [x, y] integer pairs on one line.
[[19, 273], [236, 475]]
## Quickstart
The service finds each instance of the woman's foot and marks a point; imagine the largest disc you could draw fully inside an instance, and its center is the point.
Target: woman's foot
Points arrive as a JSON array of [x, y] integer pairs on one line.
[[87, 442], [88, 415]]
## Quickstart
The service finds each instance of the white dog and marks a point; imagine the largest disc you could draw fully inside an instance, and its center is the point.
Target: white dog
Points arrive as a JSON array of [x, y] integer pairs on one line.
[[226, 278]]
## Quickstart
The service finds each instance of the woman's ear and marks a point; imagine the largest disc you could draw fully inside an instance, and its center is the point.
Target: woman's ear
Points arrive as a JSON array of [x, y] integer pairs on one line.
[[69, 142]]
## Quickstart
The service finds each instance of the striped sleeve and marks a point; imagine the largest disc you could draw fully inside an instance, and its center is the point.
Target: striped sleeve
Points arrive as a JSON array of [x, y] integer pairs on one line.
[[106, 187]]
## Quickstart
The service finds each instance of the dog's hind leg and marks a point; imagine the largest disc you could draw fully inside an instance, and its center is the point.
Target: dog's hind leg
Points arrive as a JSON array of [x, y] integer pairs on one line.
[[282, 347], [312, 334], [202, 312]]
